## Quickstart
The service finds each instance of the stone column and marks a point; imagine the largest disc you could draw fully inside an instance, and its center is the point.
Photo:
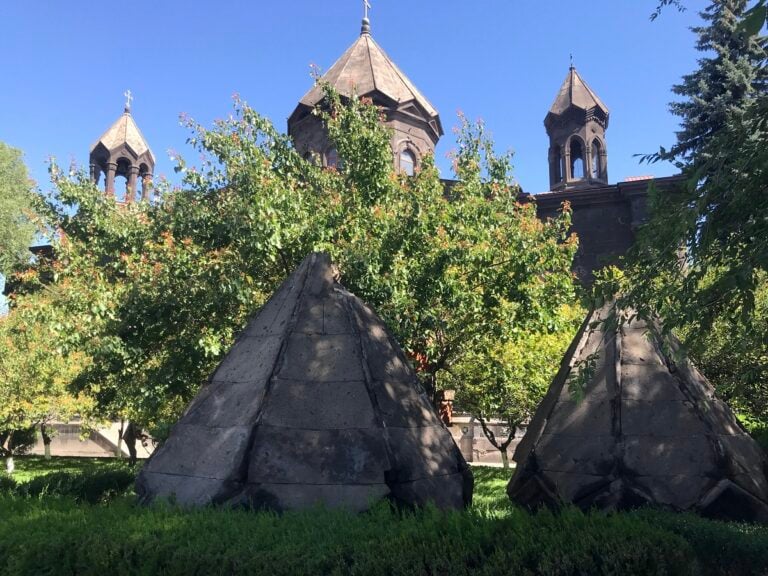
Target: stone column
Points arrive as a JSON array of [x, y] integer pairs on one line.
[[133, 177], [110, 185], [95, 174], [146, 187]]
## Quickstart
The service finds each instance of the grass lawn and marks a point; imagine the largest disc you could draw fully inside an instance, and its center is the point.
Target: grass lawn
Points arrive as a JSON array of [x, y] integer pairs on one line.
[[48, 527]]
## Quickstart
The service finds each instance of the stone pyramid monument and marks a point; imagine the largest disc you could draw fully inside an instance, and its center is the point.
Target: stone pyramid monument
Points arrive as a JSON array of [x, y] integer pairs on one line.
[[648, 430], [314, 403]]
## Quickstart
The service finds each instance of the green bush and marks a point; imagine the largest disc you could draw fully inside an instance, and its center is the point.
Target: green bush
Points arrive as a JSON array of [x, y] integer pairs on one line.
[[125, 539], [57, 532], [7, 484], [92, 487], [722, 547]]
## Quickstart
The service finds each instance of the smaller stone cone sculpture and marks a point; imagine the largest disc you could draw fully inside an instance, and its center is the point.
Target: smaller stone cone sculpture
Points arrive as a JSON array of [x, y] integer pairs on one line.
[[648, 430], [314, 403]]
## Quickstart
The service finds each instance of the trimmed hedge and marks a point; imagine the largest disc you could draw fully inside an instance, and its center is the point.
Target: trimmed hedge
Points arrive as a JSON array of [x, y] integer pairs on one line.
[[123, 539], [47, 526], [100, 486]]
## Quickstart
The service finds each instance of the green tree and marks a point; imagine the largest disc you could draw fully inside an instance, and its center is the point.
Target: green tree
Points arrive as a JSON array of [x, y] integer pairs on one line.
[[16, 228], [701, 254], [156, 292], [34, 376], [508, 379]]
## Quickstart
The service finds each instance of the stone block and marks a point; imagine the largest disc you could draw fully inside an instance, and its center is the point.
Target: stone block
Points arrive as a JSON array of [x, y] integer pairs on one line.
[[445, 492], [745, 454], [670, 418], [182, 490], [193, 450], [755, 484], [590, 455], [720, 417], [320, 358], [251, 359], [322, 315], [273, 318], [573, 486], [421, 453], [585, 418], [297, 456], [652, 383], [386, 361], [637, 347], [680, 491], [319, 405], [663, 456], [404, 405], [225, 405]]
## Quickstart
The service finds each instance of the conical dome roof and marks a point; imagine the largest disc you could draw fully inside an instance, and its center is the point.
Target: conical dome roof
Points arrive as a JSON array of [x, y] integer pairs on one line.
[[315, 403], [124, 132], [574, 92], [648, 430]]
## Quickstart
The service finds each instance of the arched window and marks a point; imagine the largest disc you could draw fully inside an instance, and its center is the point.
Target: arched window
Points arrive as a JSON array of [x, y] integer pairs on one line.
[[577, 159], [332, 158], [407, 162], [122, 171], [597, 171], [557, 173]]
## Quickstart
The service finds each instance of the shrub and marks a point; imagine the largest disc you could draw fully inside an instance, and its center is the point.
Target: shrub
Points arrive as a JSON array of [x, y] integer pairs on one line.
[[729, 548], [92, 487], [7, 484]]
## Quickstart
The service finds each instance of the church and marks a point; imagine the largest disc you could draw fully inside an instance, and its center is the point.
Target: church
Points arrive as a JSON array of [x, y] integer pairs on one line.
[[605, 215]]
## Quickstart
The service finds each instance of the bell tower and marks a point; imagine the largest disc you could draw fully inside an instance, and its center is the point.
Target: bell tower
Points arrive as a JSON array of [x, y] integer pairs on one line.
[[122, 151], [576, 125]]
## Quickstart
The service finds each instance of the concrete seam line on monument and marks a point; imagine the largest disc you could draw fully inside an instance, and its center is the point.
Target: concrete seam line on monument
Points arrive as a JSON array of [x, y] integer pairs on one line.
[[352, 317], [241, 474]]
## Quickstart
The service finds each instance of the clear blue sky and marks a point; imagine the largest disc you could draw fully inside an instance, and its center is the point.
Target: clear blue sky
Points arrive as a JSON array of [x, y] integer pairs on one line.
[[65, 66]]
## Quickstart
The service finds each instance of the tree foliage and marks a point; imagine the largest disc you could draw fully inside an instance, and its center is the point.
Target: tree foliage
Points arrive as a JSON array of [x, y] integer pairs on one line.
[[34, 375], [153, 294], [701, 260], [700, 256], [16, 229]]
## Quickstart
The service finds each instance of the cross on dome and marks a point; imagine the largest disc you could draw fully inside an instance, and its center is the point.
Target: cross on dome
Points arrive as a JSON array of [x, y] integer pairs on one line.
[[128, 98]]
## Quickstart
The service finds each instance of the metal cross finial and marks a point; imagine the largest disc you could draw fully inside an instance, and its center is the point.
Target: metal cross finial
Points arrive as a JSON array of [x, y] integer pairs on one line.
[[571, 60], [128, 98], [366, 7]]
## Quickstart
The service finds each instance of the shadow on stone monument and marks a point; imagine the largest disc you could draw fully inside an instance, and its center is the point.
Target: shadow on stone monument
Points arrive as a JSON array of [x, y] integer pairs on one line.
[[314, 404], [648, 431]]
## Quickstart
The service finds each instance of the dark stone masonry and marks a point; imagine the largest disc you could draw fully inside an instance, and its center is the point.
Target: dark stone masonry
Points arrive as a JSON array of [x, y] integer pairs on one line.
[[648, 431], [315, 403]]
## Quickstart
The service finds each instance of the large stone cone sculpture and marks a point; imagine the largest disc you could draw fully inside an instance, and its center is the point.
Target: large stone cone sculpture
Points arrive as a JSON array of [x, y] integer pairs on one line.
[[648, 430], [314, 404]]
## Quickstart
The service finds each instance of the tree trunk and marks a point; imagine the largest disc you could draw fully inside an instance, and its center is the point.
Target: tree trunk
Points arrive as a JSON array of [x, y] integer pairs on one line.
[[131, 433], [504, 458], [46, 440], [9, 465], [500, 446], [119, 450]]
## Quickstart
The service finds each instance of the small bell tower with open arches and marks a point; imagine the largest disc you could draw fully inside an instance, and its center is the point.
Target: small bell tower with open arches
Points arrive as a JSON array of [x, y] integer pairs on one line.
[[576, 125], [123, 152]]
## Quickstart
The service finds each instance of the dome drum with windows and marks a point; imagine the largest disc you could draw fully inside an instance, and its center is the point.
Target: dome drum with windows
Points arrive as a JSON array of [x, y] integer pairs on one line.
[[365, 70]]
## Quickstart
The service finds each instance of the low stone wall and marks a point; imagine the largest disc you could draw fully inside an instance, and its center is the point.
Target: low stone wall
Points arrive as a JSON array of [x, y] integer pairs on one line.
[[475, 446]]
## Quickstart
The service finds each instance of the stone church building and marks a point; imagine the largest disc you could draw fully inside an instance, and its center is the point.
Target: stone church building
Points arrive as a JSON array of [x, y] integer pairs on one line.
[[605, 215]]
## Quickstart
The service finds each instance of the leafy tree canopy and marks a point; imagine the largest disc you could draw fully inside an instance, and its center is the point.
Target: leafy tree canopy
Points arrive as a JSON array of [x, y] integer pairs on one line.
[[153, 294], [702, 253], [16, 229]]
